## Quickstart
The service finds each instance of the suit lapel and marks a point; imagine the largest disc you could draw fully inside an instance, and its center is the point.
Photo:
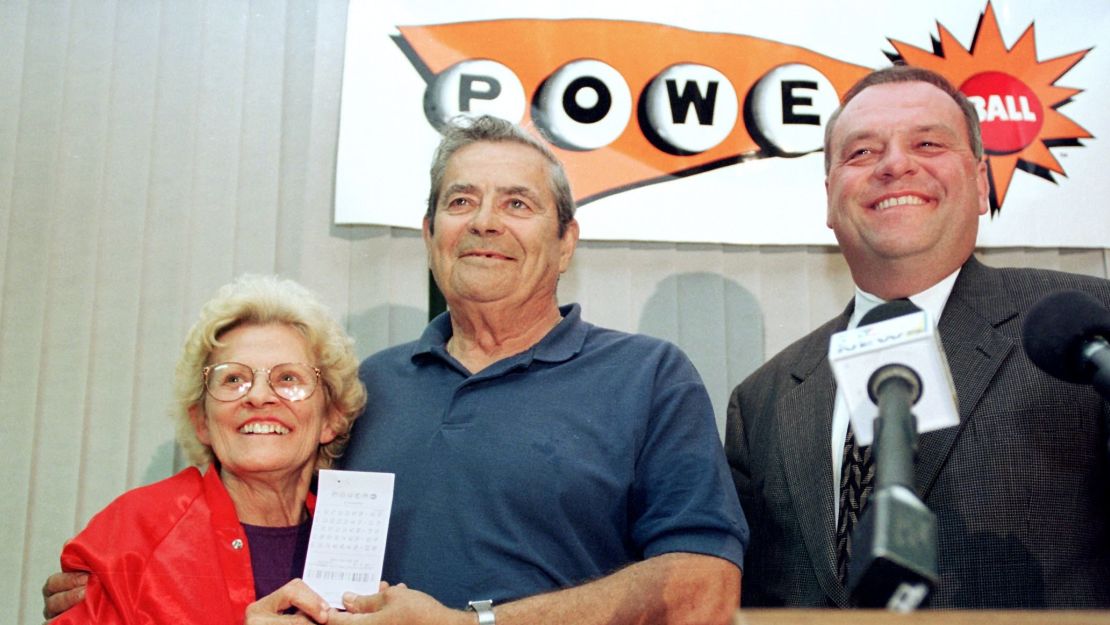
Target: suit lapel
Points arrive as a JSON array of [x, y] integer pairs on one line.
[[974, 349], [806, 439]]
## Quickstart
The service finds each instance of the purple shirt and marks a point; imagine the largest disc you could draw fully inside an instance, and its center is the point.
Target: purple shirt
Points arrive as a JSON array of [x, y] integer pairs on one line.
[[277, 554]]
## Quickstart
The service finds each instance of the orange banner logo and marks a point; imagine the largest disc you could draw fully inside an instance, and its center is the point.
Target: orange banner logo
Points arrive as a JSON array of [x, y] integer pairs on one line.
[[626, 104]]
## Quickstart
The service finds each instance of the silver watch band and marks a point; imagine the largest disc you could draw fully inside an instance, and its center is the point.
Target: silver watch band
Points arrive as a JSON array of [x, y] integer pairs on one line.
[[484, 610]]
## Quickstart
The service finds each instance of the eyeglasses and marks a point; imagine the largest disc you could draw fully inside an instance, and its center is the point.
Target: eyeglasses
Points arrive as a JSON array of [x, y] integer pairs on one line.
[[228, 381]]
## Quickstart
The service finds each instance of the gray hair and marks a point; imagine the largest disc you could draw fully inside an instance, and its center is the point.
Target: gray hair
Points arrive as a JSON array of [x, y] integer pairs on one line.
[[464, 131], [905, 73]]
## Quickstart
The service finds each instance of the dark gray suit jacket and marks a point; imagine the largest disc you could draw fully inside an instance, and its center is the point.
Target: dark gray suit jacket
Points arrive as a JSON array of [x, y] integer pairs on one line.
[[1021, 488]]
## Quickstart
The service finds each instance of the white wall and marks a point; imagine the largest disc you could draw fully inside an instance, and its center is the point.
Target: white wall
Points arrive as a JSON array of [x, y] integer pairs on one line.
[[152, 150]]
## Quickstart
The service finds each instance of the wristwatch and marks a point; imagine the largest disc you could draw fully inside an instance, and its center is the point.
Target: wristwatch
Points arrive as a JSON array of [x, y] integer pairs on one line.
[[484, 610]]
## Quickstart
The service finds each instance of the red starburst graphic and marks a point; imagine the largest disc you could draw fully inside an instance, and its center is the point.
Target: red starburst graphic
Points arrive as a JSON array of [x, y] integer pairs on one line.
[[1015, 94]]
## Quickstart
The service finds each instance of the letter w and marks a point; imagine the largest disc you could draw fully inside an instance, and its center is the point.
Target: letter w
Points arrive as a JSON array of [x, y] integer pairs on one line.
[[691, 95]]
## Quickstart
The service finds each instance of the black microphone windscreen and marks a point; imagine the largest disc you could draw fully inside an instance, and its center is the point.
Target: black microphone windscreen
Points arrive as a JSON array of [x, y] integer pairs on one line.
[[889, 310], [1058, 327]]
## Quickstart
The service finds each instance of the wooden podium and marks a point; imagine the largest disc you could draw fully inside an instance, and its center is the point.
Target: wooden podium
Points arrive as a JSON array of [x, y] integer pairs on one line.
[[765, 616]]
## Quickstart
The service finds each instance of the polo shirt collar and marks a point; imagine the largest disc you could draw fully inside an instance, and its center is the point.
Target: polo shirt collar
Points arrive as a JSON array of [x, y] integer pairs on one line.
[[561, 343], [565, 339]]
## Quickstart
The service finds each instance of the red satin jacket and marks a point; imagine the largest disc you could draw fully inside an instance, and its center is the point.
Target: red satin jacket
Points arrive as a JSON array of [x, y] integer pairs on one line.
[[168, 553]]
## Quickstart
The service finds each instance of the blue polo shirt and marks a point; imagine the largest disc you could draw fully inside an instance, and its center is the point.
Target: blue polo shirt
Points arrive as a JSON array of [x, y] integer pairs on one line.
[[591, 450]]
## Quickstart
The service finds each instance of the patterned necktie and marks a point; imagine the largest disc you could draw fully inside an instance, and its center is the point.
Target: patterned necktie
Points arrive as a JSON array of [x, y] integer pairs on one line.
[[855, 488]]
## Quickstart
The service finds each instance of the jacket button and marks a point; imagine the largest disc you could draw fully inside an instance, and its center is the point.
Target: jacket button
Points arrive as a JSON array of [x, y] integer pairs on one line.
[[237, 544]]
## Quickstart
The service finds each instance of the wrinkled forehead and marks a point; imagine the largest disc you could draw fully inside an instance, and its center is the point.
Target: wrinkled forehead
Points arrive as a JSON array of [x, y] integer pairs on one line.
[[899, 107], [499, 165]]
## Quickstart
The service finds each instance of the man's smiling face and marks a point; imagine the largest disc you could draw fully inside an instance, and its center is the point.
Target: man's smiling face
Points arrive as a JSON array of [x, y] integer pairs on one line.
[[903, 183], [496, 235]]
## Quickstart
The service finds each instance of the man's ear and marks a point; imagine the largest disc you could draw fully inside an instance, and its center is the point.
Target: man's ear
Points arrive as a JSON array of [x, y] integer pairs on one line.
[[426, 231], [828, 205], [568, 244], [983, 183]]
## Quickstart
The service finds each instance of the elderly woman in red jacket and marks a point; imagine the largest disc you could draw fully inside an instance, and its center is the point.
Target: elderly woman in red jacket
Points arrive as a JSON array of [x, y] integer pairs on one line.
[[267, 389]]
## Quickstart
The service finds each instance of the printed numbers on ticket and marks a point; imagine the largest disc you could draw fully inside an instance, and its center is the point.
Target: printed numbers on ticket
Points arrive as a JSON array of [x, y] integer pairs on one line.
[[349, 527]]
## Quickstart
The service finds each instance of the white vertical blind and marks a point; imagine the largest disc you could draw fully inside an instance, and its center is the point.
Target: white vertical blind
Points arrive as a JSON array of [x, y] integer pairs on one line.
[[152, 151]]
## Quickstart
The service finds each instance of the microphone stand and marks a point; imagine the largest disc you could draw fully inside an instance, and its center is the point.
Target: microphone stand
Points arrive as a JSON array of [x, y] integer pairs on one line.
[[896, 427], [894, 561]]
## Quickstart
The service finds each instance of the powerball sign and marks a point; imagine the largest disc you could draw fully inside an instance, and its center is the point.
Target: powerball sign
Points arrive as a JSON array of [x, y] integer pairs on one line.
[[702, 121]]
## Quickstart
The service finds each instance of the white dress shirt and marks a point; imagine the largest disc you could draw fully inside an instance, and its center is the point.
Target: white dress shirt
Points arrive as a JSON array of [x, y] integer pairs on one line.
[[931, 300]]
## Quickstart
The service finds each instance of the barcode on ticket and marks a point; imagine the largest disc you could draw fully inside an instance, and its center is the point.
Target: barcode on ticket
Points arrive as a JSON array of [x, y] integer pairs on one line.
[[337, 576]]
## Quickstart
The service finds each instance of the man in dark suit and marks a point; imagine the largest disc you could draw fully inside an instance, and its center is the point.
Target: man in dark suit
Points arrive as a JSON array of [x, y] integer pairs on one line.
[[1021, 487]]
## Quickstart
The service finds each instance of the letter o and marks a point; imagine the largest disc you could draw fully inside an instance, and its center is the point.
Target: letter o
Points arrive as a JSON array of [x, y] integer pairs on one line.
[[584, 105]]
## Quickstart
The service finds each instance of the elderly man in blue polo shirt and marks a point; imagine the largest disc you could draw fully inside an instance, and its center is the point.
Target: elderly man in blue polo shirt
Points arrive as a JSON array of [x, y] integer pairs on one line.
[[568, 473], [547, 470]]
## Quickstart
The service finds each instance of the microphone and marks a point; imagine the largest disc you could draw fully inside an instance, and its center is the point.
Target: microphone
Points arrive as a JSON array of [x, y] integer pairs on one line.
[[1067, 335], [891, 361], [894, 388], [893, 377], [894, 333]]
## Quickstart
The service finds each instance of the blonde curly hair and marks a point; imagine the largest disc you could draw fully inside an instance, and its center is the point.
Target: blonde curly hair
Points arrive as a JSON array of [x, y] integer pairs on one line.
[[259, 300]]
